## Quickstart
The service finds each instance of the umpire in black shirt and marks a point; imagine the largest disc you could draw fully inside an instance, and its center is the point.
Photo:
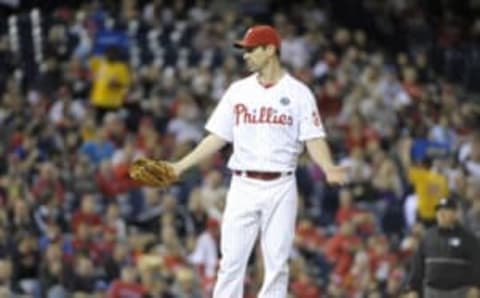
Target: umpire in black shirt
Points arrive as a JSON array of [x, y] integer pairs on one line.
[[447, 262]]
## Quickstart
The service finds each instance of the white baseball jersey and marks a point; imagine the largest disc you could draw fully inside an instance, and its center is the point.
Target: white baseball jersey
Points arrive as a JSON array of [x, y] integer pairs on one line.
[[266, 125]]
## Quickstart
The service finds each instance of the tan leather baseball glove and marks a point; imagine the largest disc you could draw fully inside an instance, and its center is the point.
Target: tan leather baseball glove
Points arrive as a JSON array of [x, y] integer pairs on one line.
[[154, 173]]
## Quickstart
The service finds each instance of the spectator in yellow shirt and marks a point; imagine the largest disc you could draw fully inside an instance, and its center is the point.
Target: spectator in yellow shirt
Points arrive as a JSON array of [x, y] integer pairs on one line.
[[111, 80], [430, 186]]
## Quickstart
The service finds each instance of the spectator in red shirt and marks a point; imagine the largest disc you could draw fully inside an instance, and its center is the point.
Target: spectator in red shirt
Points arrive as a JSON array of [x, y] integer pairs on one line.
[[87, 214], [105, 244], [112, 181], [308, 236], [82, 241], [329, 99], [340, 248], [381, 260], [358, 133], [346, 211], [127, 285], [147, 137], [302, 285], [48, 184], [123, 157], [305, 288]]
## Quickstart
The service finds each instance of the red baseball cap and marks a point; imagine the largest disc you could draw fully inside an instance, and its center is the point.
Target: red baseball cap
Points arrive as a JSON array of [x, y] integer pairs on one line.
[[259, 35], [212, 223]]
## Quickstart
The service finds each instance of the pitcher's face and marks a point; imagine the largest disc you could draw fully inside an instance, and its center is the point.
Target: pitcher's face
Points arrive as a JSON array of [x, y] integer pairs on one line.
[[256, 58]]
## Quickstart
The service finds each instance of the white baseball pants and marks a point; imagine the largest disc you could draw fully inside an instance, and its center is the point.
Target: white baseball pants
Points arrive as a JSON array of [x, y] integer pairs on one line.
[[257, 205]]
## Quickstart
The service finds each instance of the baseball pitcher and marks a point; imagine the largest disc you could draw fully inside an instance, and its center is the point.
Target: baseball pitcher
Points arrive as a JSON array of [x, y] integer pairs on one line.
[[268, 117]]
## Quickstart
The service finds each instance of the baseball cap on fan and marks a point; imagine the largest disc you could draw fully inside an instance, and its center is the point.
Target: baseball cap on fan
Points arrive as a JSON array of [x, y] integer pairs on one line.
[[259, 35], [446, 203]]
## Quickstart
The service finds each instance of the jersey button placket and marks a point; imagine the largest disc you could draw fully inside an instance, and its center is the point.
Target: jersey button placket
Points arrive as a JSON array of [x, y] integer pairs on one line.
[[262, 135]]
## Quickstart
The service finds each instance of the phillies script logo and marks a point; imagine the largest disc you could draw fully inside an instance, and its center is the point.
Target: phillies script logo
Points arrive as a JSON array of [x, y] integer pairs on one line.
[[266, 115]]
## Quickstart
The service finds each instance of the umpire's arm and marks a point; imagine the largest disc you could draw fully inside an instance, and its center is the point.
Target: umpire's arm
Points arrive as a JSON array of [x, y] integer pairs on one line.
[[417, 269], [474, 248]]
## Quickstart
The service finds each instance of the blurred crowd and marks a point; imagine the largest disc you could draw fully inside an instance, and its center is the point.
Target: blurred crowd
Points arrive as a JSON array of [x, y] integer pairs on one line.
[[87, 88]]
